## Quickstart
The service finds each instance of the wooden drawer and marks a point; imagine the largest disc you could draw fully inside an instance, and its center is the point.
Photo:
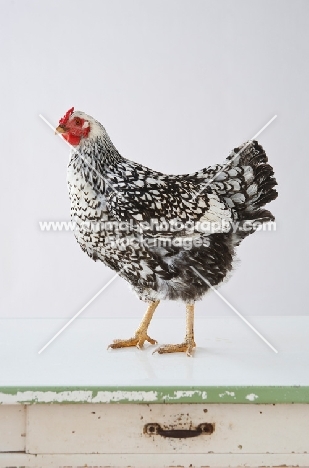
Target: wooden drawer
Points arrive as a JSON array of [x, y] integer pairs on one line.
[[111, 429], [113, 435]]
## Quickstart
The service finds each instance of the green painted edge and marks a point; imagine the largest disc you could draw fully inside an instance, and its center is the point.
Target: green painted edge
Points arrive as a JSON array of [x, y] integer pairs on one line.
[[146, 394]]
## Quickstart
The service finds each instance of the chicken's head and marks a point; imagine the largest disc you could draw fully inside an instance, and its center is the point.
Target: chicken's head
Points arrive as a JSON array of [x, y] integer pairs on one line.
[[73, 127]]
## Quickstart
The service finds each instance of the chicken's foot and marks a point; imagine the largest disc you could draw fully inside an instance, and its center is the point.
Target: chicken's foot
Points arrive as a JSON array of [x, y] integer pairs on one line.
[[140, 335], [189, 344]]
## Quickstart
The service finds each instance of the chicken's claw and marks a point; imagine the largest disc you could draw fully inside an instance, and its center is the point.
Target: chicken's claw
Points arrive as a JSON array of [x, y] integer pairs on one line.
[[138, 340], [186, 347]]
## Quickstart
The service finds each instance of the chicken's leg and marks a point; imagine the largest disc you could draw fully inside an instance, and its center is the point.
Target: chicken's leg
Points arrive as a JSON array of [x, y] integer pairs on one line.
[[140, 335], [189, 344]]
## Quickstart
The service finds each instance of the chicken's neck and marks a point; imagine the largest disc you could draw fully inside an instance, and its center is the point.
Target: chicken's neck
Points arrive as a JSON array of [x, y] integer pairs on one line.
[[96, 159], [99, 152]]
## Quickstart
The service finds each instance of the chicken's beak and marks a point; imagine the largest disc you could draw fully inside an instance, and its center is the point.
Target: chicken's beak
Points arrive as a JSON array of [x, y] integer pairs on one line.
[[60, 129]]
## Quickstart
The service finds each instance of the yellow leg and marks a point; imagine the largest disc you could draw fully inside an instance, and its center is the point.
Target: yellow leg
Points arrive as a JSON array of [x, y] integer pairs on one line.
[[140, 335], [189, 344]]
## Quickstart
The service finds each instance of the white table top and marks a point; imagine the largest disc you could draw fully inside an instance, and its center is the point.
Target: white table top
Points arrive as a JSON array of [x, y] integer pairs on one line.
[[228, 354]]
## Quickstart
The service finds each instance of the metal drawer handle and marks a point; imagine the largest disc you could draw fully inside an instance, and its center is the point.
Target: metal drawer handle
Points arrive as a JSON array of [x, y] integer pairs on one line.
[[156, 429]]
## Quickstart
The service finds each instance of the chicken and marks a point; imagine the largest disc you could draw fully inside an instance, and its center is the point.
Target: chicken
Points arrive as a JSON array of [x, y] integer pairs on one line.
[[172, 237]]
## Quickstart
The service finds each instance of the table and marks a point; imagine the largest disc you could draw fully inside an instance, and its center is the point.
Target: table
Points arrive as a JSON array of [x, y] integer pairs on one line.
[[77, 403]]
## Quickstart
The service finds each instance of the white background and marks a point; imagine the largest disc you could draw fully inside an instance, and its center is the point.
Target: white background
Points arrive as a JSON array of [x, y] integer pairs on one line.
[[177, 84]]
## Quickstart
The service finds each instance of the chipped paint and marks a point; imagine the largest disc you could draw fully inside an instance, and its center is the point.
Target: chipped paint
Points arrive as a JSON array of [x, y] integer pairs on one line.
[[129, 396], [159, 394], [251, 397], [178, 394], [80, 396], [47, 397], [232, 394]]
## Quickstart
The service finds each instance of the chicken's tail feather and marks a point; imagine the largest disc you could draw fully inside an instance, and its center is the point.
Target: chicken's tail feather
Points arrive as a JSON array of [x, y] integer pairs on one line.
[[246, 182]]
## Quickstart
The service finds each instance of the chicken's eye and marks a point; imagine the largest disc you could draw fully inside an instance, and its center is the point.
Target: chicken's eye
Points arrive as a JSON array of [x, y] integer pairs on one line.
[[78, 122]]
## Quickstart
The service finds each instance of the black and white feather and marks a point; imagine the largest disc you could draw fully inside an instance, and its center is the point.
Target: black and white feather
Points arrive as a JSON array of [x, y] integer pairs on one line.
[[105, 188]]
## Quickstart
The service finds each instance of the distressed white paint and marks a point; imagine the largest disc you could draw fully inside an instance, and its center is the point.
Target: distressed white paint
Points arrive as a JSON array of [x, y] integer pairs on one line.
[[232, 394], [187, 393], [12, 428], [118, 429], [46, 397], [81, 396], [104, 396], [138, 396], [252, 397], [201, 460]]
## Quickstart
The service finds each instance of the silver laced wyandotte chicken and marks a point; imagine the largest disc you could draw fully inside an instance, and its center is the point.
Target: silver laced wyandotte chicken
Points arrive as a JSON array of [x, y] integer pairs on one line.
[[172, 237]]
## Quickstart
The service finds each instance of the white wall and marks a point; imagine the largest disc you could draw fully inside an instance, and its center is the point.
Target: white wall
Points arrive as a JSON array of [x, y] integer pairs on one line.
[[177, 84]]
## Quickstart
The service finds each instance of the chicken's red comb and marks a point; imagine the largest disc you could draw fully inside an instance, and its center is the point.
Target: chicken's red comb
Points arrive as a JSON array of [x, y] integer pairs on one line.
[[66, 116]]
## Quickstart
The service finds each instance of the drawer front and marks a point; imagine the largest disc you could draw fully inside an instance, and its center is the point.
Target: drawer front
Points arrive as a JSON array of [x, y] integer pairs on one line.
[[100, 428]]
